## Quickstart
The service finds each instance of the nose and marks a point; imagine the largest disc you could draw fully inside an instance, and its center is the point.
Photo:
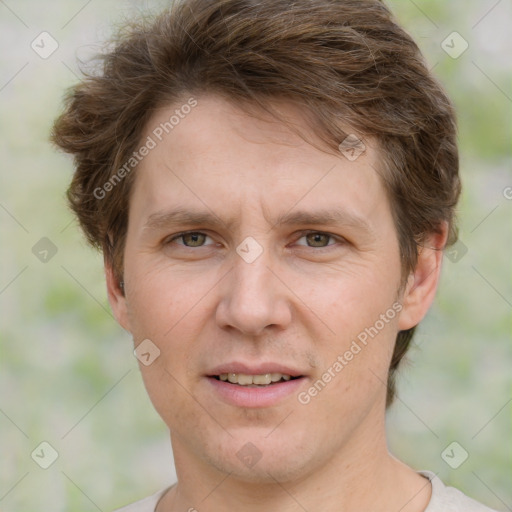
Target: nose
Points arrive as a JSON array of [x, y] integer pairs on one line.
[[254, 297]]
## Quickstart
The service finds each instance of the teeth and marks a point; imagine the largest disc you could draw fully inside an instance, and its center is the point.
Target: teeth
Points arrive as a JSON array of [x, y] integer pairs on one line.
[[243, 380], [246, 380], [260, 379]]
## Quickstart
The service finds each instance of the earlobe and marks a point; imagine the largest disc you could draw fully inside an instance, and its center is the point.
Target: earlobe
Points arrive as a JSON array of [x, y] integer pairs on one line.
[[422, 282], [116, 297]]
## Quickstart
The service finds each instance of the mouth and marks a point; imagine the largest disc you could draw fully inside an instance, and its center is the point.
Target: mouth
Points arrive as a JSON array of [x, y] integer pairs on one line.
[[254, 390], [262, 380], [255, 384]]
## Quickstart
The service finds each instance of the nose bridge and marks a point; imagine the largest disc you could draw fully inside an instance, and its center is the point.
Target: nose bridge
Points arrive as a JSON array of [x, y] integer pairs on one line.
[[252, 277], [252, 297]]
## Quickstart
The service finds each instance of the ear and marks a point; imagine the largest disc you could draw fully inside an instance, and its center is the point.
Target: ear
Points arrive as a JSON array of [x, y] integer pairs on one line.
[[116, 297], [422, 282]]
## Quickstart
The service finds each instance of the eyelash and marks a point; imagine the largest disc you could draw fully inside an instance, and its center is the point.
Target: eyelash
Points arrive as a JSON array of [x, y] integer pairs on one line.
[[301, 233]]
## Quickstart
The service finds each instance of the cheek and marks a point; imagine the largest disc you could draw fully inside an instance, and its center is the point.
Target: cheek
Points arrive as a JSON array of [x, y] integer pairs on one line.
[[351, 382], [355, 301], [362, 314], [173, 399], [169, 309], [172, 323], [161, 298]]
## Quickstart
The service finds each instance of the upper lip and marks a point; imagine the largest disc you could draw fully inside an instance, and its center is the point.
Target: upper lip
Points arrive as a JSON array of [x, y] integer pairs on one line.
[[254, 369]]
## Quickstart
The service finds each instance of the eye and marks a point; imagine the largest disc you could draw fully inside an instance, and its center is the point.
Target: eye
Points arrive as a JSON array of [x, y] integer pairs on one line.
[[313, 239], [190, 239], [318, 239]]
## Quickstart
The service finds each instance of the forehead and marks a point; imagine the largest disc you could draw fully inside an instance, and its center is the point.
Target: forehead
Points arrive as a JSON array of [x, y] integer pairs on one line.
[[215, 156]]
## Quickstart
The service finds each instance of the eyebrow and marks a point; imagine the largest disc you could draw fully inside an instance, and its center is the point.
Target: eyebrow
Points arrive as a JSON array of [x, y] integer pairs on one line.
[[183, 216]]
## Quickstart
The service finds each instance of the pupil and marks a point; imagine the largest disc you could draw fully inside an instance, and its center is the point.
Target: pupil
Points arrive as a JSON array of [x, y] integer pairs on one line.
[[317, 238], [194, 238]]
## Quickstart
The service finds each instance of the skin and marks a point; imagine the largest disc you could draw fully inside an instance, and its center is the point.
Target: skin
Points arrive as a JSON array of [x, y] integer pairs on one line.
[[301, 302]]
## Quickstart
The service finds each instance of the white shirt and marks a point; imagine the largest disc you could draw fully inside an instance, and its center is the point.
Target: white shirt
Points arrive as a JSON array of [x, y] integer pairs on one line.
[[443, 499]]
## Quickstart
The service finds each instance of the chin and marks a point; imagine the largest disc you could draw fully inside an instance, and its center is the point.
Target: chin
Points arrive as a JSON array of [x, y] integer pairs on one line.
[[263, 460], [265, 471]]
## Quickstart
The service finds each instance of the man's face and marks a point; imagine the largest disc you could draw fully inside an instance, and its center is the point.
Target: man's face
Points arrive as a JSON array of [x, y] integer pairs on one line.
[[248, 294]]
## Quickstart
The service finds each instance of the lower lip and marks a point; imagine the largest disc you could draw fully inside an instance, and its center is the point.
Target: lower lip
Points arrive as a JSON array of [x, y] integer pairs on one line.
[[243, 396]]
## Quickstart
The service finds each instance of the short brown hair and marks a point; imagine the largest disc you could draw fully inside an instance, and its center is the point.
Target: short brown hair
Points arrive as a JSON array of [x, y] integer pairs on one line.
[[338, 59]]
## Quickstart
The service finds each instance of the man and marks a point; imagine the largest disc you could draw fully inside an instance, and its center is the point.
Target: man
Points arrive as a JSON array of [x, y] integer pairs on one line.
[[272, 184]]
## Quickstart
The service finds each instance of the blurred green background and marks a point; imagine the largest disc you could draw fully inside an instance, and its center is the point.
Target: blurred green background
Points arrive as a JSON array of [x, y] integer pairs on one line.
[[67, 371]]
